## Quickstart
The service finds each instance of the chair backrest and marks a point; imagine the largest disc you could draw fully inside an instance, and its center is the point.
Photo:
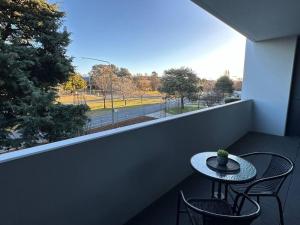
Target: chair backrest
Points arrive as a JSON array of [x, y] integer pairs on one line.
[[210, 217], [278, 166], [278, 169]]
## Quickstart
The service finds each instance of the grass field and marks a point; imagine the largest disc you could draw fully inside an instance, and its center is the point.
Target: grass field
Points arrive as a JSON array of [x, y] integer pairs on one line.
[[187, 108], [119, 103], [95, 102]]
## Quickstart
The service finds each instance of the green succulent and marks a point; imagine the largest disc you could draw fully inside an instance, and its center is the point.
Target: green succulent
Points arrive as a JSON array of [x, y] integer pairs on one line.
[[222, 153]]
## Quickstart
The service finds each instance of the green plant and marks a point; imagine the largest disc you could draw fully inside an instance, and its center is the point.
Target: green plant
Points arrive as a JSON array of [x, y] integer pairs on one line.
[[222, 153], [229, 100]]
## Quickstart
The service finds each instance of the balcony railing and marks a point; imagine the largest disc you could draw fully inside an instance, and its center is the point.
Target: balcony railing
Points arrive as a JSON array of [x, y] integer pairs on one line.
[[108, 177]]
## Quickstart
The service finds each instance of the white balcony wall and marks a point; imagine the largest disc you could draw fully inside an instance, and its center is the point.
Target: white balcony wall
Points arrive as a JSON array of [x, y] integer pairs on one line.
[[108, 177], [267, 80]]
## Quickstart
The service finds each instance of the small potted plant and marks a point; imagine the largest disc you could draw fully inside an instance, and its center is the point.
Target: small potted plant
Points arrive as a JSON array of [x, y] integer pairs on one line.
[[222, 157]]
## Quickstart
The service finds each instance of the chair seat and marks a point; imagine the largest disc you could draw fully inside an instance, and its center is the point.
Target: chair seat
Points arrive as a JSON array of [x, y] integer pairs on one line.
[[211, 205]]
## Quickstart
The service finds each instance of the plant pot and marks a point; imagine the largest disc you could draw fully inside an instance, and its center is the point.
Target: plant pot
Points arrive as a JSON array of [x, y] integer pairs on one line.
[[222, 161]]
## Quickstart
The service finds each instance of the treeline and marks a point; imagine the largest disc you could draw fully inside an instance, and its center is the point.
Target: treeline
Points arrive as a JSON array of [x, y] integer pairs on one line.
[[101, 75], [179, 83], [109, 79], [147, 82], [122, 79], [183, 83], [144, 82]]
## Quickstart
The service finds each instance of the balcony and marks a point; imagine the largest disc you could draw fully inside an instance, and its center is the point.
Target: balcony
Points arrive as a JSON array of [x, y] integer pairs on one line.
[[163, 210], [131, 175], [109, 177]]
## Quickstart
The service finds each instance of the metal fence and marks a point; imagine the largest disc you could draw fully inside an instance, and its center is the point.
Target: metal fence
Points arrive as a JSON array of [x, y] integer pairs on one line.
[[100, 118], [122, 114], [155, 111]]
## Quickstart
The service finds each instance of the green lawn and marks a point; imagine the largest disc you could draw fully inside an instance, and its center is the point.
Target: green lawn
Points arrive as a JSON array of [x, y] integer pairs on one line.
[[187, 108], [96, 102]]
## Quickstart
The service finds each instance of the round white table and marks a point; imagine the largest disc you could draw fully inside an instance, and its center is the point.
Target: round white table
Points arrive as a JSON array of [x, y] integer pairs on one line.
[[245, 174]]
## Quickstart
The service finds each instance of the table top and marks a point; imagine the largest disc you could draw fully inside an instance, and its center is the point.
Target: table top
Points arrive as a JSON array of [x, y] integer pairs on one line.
[[246, 173]]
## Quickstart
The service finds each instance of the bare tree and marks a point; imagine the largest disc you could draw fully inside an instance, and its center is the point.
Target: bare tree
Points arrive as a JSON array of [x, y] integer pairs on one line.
[[207, 85], [126, 87], [102, 76], [142, 82]]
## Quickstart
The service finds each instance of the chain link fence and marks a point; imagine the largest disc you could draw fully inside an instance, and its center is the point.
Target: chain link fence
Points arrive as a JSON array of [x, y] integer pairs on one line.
[[117, 115], [152, 106]]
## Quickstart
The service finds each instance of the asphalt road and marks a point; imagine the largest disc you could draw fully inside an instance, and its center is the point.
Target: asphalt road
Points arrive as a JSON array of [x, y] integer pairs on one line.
[[128, 113]]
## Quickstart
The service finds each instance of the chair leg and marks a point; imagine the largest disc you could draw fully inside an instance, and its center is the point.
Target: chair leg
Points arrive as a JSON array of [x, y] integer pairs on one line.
[[235, 203], [280, 210], [178, 208], [241, 205], [226, 192], [257, 199], [219, 190]]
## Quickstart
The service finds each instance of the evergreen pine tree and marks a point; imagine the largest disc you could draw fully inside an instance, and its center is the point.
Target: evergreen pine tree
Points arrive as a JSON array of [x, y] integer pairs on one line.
[[33, 62]]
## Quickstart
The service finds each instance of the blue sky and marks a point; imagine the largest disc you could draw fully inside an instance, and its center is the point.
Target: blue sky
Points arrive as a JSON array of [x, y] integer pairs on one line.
[[152, 35]]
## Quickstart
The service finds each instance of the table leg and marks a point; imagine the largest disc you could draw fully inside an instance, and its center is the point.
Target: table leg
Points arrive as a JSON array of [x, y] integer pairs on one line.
[[219, 190], [212, 189], [226, 192], [218, 193]]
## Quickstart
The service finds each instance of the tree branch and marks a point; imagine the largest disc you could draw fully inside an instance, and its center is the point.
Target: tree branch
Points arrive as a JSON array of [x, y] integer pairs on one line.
[[7, 31]]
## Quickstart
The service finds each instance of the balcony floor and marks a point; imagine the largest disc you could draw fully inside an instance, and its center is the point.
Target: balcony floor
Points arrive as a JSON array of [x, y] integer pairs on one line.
[[163, 211]]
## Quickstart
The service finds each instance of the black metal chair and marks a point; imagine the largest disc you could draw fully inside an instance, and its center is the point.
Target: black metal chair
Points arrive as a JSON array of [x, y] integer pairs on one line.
[[270, 181], [215, 211]]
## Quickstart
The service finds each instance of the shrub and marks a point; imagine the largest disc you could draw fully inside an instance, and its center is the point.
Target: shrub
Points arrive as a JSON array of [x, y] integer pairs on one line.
[[222, 153], [229, 100]]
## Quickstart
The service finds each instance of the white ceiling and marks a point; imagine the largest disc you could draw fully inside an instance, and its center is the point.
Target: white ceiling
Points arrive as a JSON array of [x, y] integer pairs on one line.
[[257, 19]]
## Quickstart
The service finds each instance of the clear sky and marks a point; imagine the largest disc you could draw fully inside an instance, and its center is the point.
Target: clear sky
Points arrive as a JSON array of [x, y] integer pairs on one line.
[[152, 35]]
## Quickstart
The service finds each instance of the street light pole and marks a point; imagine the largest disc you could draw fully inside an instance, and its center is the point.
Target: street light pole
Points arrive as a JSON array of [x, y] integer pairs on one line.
[[111, 85], [112, 96], [90, 84]]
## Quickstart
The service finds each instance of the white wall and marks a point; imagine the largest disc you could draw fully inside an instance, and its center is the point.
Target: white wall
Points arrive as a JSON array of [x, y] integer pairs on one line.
[[267, 80], [108, 177]]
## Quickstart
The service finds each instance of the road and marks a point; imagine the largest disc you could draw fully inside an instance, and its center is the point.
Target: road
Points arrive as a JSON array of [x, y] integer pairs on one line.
[[119, 98], [122, 114]]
